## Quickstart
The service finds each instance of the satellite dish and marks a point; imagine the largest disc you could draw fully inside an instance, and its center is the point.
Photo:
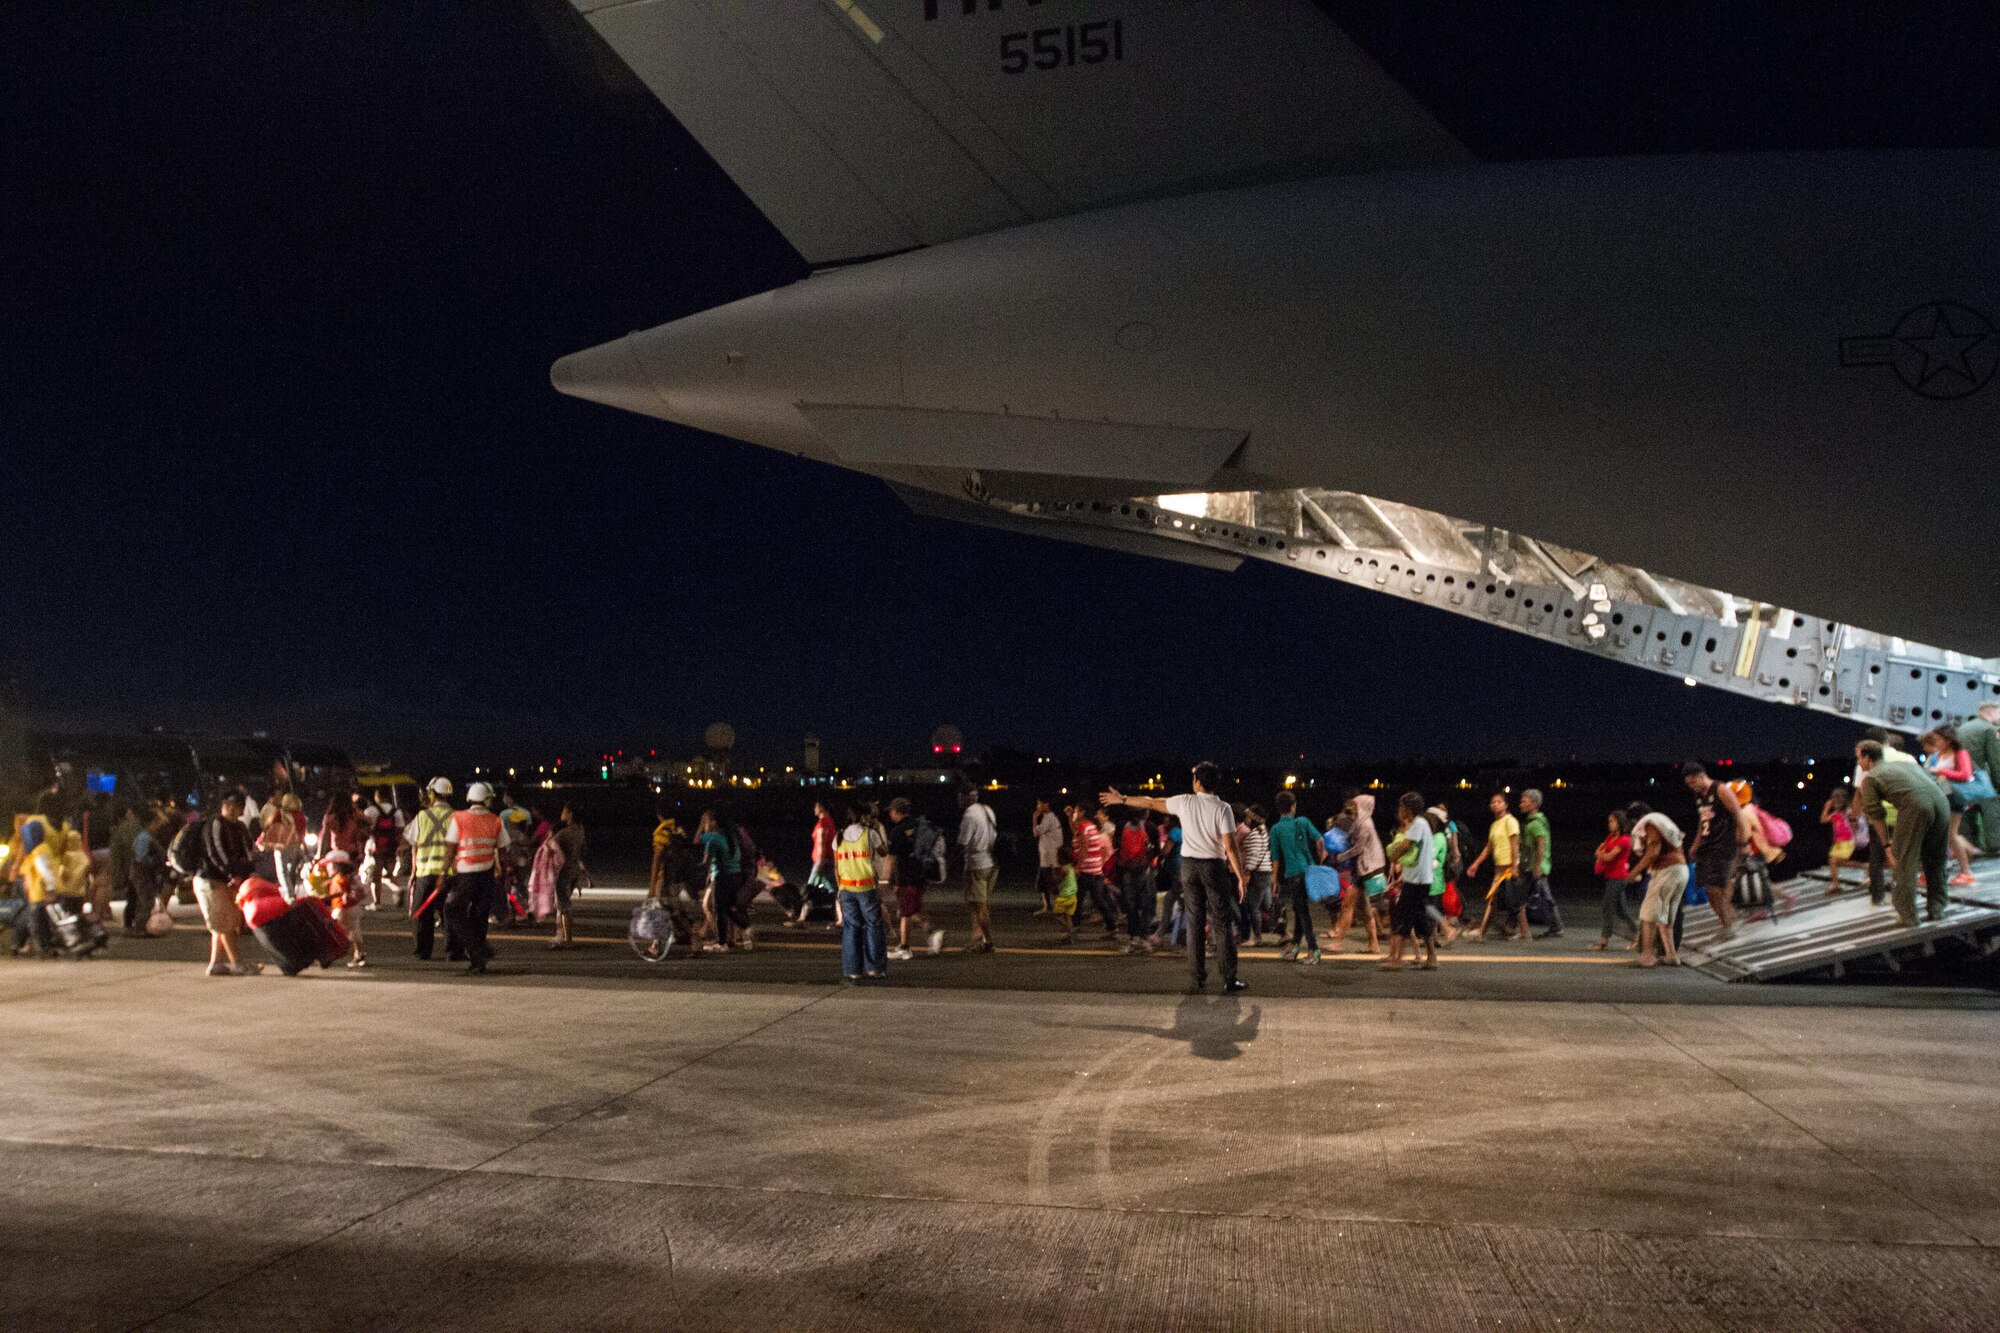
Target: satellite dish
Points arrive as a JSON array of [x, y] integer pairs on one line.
[[720, 736]]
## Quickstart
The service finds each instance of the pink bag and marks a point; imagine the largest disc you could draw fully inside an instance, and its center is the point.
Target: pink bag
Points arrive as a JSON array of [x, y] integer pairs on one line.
[[542, 879]]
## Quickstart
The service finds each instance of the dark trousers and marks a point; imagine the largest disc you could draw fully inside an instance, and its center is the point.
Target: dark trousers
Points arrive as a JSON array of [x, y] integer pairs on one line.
[[424, 920], [732, 905], [1099, 894], [468, 901], [1878, 869], [1138, 894], [1615, 910], [1250, 911], [139, 896], [1923, 842], [1211, 897], [1170, 880], [1301, 909]]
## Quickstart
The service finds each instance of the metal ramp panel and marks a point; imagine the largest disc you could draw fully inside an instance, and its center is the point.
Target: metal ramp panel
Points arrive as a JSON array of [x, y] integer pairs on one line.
[[1813, 931]]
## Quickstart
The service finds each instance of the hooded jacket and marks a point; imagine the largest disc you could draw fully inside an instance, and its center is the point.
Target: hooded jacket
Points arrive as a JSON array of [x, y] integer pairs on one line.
[[1366, 843]]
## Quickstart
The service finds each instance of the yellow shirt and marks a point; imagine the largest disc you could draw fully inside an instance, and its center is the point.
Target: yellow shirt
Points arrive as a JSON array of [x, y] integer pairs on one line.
[[1502, 839]]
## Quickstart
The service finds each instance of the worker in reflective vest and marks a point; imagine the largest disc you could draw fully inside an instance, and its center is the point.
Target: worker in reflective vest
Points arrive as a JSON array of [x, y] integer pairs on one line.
[[430, 867], [864, 941], [476, 835]]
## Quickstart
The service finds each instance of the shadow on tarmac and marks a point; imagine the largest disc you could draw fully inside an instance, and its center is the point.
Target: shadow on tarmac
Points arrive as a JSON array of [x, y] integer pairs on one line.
[[1214, 1028]]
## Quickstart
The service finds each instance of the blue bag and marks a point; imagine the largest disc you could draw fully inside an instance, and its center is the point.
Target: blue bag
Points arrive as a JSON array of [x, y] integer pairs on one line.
[[1322, 883]]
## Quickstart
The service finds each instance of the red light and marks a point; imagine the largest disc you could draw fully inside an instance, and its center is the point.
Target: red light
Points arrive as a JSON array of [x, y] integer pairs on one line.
[[937, 749], [954, 749]]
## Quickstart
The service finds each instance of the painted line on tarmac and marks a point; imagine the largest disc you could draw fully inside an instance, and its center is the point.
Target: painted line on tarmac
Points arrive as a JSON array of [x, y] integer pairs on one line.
[[1053, 951]]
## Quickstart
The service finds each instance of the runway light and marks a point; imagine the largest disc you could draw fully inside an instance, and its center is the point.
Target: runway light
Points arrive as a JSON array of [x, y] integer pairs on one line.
[[1291, 780]]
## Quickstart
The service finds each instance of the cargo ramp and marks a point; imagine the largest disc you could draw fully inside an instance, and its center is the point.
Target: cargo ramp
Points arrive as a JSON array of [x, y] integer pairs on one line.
[[1811, 930]]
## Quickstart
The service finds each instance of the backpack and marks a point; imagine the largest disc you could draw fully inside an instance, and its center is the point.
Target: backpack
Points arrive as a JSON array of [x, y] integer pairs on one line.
[[927, 845], [1776, 831], [1133, 845], [185, 853]]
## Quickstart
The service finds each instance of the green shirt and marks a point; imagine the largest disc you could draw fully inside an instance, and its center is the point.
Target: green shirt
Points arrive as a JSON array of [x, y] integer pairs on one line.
[[1441, 845], [1292, 841], [1906, 786], [1535, 833]]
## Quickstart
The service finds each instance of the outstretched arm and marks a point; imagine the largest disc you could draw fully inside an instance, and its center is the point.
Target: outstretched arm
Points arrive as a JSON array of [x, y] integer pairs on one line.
[[1113, 796]]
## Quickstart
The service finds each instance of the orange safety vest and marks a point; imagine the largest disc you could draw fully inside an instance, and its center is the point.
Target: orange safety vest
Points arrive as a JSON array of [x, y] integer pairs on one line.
[[478, 839], [854, 865]]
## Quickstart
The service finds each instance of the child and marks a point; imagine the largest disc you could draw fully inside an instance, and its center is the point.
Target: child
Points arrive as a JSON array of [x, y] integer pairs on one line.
[[334, 879], [1834, 815], [1063, 906], [1614, 864]]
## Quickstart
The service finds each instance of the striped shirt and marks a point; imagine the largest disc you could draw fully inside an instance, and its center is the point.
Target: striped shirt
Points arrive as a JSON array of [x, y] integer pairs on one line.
[[1091, 848], [1256, 844]]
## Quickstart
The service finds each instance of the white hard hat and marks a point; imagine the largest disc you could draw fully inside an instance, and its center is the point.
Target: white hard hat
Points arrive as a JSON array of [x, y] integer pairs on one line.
[[478, 792], [439, 787]]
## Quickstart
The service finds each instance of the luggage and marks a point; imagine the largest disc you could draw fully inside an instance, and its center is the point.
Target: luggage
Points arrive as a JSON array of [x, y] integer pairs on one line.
[[1322, 883], [161, 922], [260, 901], [1541, 904], [331, 942], [291, 939], [1753, 885], [77, 931]]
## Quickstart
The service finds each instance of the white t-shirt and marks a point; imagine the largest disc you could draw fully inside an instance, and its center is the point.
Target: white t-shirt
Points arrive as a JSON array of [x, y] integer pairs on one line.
[[1207, 824], [1048, 841], [976, 832], [1670, 832], [1418, 835]]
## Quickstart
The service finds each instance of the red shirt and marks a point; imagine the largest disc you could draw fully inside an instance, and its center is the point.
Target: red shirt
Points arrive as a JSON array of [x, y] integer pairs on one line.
[[1614, 857], [824, 835]]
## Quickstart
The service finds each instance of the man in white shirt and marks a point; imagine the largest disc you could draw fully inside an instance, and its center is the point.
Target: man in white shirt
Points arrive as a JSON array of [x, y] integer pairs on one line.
[[977, 830], [1213, 879]]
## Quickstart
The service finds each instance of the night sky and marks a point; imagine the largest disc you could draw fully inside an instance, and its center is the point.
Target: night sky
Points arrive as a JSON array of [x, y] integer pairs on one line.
[[283, 283]]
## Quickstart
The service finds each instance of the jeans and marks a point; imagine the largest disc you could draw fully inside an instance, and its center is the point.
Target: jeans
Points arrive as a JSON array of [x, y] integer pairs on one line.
[[1170, 883], [1099, 894], [468, 903], [1301, 906], [1615, 910], [1250, 911], [864, 942], [1138, 892], [1211, 896]]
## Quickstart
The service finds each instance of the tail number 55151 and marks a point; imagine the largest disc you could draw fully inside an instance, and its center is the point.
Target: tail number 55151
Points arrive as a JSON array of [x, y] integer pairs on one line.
[[1054, 48]]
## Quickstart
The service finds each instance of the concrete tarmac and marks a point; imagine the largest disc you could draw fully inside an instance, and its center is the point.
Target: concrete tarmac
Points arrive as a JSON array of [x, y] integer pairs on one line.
[[671, 1148]]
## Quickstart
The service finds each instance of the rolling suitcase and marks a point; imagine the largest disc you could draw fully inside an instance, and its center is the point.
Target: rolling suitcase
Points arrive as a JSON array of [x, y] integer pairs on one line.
[[292, 939], [330, 939]]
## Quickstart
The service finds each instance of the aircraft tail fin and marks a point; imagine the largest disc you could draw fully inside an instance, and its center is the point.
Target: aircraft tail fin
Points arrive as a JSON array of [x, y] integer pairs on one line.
[[868, 127]]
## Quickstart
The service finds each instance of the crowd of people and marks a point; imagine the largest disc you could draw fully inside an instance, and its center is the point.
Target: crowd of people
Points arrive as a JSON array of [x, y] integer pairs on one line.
[[1192, 871], [1198, 872], [459, 868]]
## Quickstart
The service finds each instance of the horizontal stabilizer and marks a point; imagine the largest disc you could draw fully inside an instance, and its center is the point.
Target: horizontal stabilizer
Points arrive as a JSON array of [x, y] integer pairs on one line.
[[1162, 457]]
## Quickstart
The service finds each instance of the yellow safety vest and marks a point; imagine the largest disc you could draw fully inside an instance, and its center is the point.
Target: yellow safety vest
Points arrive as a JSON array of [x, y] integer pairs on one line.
[[854, 865], [430, 851]]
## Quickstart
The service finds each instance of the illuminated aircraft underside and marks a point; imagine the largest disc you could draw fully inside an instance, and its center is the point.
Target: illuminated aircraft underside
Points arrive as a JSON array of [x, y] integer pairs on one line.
[[1704, 636]]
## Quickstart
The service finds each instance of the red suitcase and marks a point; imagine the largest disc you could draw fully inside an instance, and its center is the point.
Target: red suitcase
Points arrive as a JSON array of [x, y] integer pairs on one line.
[[330, 939]]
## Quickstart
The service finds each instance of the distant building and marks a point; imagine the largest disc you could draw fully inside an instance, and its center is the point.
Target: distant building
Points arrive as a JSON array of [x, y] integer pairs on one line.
[[812, 758]]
